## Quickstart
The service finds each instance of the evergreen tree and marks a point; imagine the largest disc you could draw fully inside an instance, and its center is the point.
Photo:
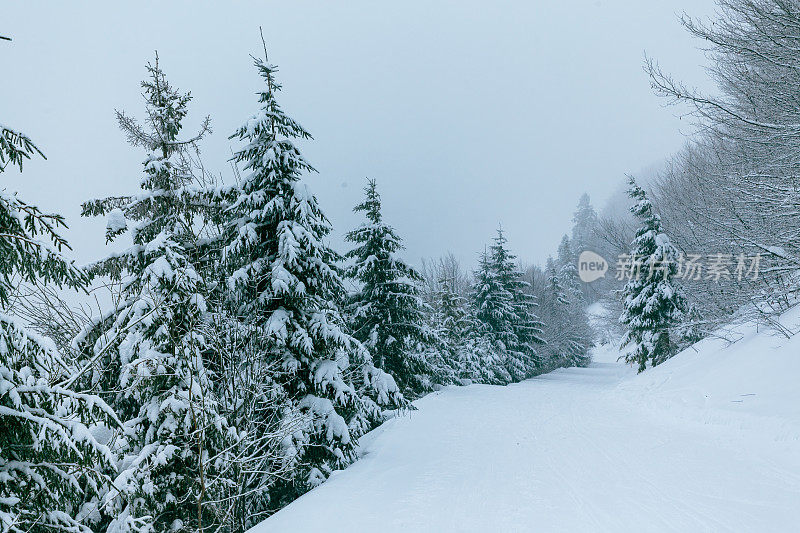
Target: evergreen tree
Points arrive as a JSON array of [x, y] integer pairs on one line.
[[555, 283], [552, 303], [450, 322], [568, 272], [568, 333], [283, 278], [478, 360], [495, 313], [50, 461], [462, 351], [466, 354], [151, 352], [584, 226], [584, 237], [387, 313], [653, 304], [493, 303], [507, 310]]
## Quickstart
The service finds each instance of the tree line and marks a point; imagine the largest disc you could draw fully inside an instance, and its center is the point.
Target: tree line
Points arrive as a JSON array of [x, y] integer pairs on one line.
[[234, 370], [723, 212]]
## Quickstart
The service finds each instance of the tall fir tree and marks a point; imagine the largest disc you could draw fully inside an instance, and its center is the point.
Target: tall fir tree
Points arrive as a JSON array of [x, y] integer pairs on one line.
[[50, 461], [151, 352], [387, 312], [581, 336], [568, 271], [653, 305], [507, 309], [584, 237], [584, 225], [493, 303], [283, 278], [552, 304]]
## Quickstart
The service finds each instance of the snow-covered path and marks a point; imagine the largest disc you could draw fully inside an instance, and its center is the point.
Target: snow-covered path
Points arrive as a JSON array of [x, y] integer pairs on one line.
[[594, 449]]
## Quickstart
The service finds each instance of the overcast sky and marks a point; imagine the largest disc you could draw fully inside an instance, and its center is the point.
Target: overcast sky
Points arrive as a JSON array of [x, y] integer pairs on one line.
[[468, 114]]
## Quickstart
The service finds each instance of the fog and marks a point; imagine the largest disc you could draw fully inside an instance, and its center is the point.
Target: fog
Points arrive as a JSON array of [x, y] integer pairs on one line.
[[468, 114]]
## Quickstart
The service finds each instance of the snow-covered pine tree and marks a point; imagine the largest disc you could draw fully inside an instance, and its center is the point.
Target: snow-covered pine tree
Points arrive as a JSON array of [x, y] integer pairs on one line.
[[568, 333], [466, 354], [387, 312], [568, 271], [653, 304], [555, 283], [584, 237], [581, 333], [507, 310], [284, 279], [552, 303], [584, 226], [462, 351], [50, 461], [494, 306], [450, 322], [150, 353], [478, 360]]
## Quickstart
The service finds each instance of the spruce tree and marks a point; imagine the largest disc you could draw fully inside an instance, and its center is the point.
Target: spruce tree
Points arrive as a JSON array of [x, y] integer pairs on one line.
[[387, 312], [552, 303], [568, 334], [151, 352], [450, 322], [284, 279], [653, 304], [507, 309], [494, 303], [466, 353], [555, 283], [568, 271], [50, 461], [584, 226], [584, 237]]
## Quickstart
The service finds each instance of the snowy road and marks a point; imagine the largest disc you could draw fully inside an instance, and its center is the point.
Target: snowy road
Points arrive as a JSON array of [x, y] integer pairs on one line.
[[594, 449]]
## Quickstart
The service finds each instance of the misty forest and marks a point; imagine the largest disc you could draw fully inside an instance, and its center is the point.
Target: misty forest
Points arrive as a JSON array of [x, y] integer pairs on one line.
[[228, 364]]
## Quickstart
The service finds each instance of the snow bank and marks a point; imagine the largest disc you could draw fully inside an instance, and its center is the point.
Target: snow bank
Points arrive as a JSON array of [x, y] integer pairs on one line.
[[749, 380]]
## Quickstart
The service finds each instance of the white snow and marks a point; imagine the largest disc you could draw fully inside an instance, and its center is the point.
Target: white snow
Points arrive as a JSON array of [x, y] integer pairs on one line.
[[708, 441], [116, 221]]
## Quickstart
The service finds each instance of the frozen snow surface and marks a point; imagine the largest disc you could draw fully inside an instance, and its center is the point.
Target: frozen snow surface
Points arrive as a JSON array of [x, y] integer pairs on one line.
[[708, 441]]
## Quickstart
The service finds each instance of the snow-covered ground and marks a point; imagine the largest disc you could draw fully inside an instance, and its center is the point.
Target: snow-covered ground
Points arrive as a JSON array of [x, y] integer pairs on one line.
[[708, 441]]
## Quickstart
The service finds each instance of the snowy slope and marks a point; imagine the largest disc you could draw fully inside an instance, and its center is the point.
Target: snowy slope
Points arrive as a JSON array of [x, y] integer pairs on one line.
[[708, 441]]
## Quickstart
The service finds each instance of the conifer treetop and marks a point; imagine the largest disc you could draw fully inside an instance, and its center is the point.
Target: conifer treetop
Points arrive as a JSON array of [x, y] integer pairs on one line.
[[166, 108], [269, 133], [168, 200], [371, 206], [378, 240]]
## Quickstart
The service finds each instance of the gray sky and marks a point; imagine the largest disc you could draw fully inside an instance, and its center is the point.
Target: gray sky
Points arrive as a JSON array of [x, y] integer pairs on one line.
[[467, 113]]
